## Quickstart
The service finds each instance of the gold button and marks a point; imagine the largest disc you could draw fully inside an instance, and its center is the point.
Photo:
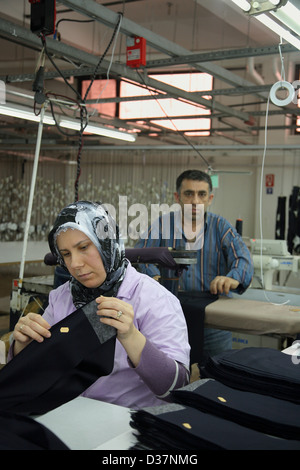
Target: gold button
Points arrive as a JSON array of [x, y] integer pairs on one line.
[[64, 329], [187, 425], [222, 399]]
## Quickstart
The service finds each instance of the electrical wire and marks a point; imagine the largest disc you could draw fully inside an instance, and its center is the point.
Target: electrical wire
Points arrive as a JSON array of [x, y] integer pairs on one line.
[[110, 64], [260, 205], [80, 142], [116, 29], [84, 117]]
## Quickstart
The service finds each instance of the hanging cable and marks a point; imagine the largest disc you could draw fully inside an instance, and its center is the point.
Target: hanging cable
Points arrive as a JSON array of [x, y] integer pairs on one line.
[[260, 201], [110, 64], [104, 54], [82, 127], [81, 101]]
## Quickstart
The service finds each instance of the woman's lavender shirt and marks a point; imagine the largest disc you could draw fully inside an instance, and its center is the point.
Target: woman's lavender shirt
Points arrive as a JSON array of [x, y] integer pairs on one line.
[[158, 315]]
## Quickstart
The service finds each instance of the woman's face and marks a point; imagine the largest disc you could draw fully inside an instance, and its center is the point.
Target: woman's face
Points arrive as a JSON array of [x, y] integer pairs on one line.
[[81, 258]]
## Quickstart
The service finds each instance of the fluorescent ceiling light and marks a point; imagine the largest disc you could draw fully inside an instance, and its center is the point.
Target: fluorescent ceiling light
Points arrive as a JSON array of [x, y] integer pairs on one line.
[[98, 130], [282, 32], [243, 4], [289, 15], [24, 113], [28, 114]]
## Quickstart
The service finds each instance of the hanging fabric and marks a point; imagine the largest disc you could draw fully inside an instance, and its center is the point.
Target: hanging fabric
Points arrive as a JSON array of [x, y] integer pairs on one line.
[[293, 238], [280, 218]]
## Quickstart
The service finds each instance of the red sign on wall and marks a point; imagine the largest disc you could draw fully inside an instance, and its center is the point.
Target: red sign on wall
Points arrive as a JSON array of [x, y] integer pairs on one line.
[[270, 179]]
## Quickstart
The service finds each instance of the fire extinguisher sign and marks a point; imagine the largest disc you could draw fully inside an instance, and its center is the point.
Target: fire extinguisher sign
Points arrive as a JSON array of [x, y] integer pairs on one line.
[[270, 180]]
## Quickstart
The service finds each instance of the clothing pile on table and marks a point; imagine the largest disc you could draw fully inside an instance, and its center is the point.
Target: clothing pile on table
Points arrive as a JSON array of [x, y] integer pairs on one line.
[[249, 400], [261, 370]]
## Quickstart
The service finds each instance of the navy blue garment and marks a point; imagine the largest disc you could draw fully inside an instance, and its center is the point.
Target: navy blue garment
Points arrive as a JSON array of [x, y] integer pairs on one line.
[[265, 414], [260, 370], [18, 432], [176, 427], [45, 375], [193, 305]]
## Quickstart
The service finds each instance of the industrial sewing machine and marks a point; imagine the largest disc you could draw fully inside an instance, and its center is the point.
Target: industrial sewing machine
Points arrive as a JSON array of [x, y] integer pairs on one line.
[[268, 257]]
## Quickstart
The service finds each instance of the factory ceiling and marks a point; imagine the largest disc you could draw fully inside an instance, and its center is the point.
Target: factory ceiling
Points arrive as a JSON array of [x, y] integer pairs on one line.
[[90, 42]]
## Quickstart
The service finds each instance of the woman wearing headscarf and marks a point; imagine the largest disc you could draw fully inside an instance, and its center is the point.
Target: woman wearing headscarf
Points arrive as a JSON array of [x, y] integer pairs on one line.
[[152, 350]]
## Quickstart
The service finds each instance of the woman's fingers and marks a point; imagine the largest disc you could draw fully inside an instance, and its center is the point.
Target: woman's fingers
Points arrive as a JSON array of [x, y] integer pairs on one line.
[[32, 326]]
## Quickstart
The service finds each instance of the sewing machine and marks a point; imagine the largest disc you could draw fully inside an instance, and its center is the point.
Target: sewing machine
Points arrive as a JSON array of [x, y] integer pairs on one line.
[[270, 256]]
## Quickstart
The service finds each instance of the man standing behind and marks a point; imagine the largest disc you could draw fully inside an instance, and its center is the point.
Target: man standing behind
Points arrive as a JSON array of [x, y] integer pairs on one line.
[[223, 261]]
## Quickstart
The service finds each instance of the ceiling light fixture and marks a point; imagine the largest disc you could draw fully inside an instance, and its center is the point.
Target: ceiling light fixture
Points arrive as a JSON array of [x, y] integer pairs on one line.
[[243, 4], [282, 32], [98, 130], [21, 112], [286, 16], [289, 15], [24, 113]]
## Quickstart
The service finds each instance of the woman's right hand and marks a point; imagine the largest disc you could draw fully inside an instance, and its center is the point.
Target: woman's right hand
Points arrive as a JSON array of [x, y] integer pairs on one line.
[[30, 327]]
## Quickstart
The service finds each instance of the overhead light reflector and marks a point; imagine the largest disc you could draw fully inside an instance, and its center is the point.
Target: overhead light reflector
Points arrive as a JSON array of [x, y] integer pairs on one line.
[[98, 130], [26, 113], [286, 14]]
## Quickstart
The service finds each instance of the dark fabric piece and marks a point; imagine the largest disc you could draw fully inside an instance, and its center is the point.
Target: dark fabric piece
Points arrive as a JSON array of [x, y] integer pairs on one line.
[[280, 219], [294, 218], [185, 428], [260, 370], [265, 414], [45, 375], [159, 255], [193, 304], [19, 432]]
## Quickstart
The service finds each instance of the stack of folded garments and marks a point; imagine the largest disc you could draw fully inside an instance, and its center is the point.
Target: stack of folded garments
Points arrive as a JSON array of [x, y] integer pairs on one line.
[[260, 370], [265, 414], [249, 400], [176, 427]]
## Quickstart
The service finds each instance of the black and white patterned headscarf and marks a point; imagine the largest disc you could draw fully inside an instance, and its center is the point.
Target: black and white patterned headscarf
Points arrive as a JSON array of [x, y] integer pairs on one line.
[[94, 221]]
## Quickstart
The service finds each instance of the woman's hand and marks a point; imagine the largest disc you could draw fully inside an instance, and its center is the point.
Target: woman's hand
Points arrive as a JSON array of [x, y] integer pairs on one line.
[[30, 327], [120, 315], [117, 313]]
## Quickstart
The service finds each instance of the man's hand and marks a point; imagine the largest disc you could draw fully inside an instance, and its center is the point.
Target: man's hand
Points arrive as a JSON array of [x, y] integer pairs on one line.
[[222, 285]]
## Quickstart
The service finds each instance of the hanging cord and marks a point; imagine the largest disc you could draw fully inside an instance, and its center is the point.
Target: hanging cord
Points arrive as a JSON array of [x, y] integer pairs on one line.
[[117, 27], [282, 73], [82, 126], [43, 39], [110, 64], [260, 204], [82, 102]]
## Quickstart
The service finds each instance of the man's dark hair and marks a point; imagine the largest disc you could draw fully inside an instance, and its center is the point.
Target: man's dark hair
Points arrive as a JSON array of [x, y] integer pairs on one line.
[[196, 175]]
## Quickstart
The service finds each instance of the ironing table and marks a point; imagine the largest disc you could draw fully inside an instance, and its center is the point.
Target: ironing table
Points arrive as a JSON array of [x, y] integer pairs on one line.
[[253, 316], [269, 315]]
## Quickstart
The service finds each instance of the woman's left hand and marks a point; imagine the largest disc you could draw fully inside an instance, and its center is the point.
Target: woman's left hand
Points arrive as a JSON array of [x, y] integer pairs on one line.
[[117, 313], [120, 315]]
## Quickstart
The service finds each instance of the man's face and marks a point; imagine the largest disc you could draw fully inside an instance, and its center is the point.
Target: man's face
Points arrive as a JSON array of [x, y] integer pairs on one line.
[[194, 192]]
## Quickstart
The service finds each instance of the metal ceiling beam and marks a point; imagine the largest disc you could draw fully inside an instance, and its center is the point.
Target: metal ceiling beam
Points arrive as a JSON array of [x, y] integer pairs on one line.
[[99, 13], [23, 36], [220, 55]]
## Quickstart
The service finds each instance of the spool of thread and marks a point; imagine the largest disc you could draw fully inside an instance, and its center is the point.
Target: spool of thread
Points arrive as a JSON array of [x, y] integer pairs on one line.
[[278, 86]]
